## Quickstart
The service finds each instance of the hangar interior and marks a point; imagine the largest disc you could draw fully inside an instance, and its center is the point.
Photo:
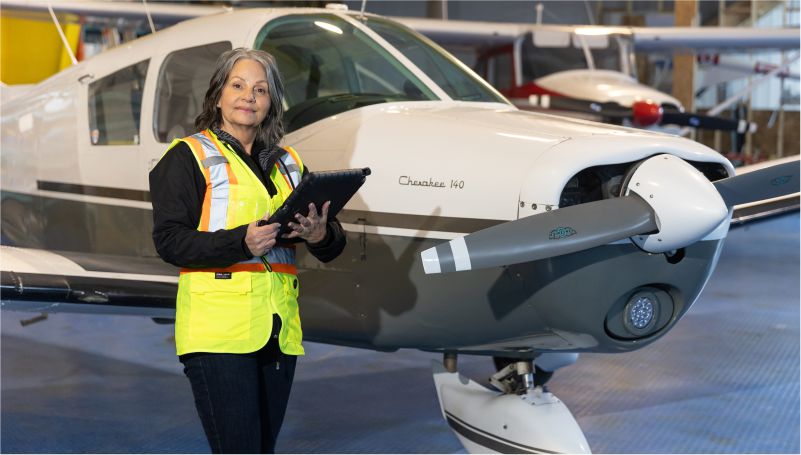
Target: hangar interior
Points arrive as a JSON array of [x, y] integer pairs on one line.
[[726, 379]]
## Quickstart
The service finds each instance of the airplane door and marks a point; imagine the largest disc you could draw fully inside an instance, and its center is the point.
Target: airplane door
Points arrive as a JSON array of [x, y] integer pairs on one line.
[[113, 178]]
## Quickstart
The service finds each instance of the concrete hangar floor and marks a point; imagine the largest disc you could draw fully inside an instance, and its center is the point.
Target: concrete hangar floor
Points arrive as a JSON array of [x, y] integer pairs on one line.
[[726, 379]]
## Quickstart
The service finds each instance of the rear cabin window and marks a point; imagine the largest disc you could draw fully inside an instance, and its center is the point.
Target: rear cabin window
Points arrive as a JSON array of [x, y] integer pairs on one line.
[[115, 105], [182, 85]]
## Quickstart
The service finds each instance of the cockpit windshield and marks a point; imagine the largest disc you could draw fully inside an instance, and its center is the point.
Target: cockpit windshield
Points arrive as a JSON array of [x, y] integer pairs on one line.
[[549, 52], [330, 66], [441, 67]]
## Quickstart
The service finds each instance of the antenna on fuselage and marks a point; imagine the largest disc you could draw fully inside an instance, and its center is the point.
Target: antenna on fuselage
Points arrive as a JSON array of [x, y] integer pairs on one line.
[[539, 9], [61, 34], [149, 18], [361, 13]]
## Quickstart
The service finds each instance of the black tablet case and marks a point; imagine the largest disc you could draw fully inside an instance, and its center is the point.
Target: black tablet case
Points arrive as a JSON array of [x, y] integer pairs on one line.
[[319, 187]]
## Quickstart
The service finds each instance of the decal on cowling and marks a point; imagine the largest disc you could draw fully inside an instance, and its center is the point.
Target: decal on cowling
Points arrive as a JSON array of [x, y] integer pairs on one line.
[[778, 181], [561, 233]]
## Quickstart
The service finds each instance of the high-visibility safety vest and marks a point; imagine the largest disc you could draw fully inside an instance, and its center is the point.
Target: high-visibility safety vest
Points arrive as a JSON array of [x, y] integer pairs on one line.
[[230, 309]]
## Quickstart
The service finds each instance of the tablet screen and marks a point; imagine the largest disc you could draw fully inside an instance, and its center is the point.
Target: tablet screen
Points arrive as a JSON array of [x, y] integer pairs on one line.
[[319, 187]]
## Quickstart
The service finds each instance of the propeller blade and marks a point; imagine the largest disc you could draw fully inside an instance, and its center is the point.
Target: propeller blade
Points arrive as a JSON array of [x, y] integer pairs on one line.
[[767, 183], [705, 122], [609, 110], [555, 233]]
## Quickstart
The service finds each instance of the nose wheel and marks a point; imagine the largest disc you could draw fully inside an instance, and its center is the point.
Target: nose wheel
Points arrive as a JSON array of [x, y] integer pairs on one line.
[[518, 376]]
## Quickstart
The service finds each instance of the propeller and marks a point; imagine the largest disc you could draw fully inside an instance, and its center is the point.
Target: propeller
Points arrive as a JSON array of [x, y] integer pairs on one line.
[[706, 122], [647, 113], [774, 181], [668, 205], [554, 233]]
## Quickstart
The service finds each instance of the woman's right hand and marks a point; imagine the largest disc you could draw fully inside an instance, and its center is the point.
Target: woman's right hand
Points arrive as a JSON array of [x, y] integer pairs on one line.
[[260, 239]]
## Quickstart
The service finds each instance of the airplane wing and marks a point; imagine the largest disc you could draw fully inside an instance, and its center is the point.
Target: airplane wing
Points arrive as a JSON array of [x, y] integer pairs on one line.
[[36, 280], [646, 39], [690, 39], [455, 32], [755, 211], [164, 13]]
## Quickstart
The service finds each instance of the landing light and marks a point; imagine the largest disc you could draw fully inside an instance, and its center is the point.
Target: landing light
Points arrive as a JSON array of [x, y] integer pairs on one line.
[[640, 313]]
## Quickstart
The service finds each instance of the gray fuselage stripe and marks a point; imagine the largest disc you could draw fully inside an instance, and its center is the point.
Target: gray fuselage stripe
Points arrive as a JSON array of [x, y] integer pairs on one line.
[[88, 190], [395, 220]]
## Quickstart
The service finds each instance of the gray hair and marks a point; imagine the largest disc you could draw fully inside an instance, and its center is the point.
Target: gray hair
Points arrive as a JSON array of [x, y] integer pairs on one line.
[[271, 129]]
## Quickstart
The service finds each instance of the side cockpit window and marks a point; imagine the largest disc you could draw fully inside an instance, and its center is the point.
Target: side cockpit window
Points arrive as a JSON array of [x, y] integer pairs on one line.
[[115, 106], [183, 81]]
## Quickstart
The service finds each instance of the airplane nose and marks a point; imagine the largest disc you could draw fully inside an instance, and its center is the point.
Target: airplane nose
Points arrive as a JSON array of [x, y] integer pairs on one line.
[[668, 204]]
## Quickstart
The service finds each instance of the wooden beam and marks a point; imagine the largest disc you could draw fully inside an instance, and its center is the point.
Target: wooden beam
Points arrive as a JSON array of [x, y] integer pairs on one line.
[[685, 14], [437, 9]]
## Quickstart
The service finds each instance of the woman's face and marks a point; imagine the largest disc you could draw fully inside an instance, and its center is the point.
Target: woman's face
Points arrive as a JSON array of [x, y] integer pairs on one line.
[[245, 98]]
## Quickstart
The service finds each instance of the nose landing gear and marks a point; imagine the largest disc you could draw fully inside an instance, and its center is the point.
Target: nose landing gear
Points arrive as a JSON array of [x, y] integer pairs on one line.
[[522, 418]]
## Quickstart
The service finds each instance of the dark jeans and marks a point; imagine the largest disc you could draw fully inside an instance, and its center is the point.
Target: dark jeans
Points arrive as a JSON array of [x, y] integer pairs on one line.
[[241, 398]]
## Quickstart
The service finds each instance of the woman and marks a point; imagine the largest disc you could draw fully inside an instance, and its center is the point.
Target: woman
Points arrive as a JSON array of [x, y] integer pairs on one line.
[[237, 328]]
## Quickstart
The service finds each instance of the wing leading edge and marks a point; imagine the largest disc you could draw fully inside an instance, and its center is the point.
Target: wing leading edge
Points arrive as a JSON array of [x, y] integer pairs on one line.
[[42, 281]]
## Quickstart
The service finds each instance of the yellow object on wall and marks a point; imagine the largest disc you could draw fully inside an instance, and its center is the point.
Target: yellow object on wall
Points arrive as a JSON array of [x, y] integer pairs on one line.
[[31, 50]]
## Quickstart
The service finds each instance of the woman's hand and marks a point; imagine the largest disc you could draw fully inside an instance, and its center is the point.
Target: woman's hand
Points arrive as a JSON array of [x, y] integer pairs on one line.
[[260, 239], [310, 228]]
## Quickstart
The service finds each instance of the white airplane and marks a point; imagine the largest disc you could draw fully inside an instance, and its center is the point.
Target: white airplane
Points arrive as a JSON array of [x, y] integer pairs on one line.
[[482, 230], [589, 71]]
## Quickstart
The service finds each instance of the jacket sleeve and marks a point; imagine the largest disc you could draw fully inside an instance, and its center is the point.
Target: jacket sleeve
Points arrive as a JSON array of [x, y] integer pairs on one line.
[[177, 189], [332, 245]]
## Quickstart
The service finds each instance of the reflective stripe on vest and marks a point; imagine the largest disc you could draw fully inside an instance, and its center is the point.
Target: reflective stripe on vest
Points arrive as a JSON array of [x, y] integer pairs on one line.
[[290, 164], [215, 212], [220, 176]]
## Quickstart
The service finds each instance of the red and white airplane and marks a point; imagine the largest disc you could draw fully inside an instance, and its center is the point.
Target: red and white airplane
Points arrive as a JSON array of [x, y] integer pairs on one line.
[[589, 71]]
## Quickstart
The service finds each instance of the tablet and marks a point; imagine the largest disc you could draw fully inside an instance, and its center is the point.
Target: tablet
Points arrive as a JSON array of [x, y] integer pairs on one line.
[[319, 187]]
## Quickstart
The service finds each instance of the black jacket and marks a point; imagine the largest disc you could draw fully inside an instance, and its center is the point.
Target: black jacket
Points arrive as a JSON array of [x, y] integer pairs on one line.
[[177, 189]]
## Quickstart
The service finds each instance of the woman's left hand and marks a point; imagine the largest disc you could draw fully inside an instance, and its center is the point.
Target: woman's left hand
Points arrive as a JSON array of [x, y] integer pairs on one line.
[[311, 228]]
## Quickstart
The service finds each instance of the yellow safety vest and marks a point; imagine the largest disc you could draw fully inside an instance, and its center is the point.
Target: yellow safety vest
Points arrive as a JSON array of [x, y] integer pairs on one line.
[[230, 309]]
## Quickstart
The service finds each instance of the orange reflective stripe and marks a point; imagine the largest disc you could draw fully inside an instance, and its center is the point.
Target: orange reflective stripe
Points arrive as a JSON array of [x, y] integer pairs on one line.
[[281, 268], [286, 177], [249, 267], [196, 147], [285, 268], [205, 213], [231, 175], [295, 157]]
